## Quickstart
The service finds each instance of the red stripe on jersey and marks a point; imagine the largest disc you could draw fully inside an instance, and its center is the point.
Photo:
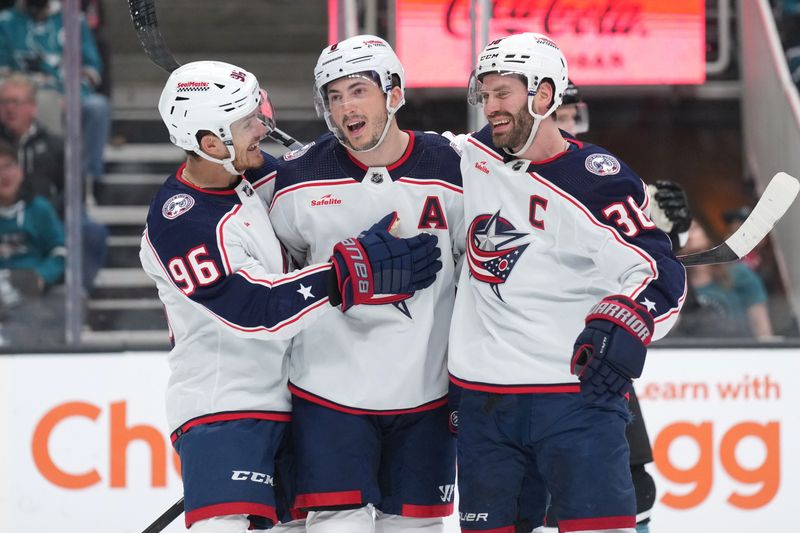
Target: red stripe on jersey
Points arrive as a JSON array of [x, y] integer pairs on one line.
[[674, 310], [290, 320], [403, 158], [298, 274], [426, 511], [327, 499], [227, 417], [576, 142], [406, 154], [221, 240], [266, 179], [313, 398], [179, 176], [277, 327], [597, 524], [321, 183], [646, 202], [440, 183], [555, 388], [505, 529], [484, 148], [224, 509], [582, 208]]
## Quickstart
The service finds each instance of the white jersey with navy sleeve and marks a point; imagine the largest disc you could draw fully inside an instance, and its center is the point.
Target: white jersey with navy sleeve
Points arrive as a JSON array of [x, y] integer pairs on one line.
[[379, 359], [545, 242], [231, 306]]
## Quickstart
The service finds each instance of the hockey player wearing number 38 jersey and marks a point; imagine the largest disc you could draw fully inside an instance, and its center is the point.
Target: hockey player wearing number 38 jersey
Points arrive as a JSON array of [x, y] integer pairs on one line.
[[232, 304], [369, 387], [566, 281]]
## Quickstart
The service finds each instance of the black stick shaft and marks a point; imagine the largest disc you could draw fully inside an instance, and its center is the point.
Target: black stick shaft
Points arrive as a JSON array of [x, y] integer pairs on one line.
[[166, 519]]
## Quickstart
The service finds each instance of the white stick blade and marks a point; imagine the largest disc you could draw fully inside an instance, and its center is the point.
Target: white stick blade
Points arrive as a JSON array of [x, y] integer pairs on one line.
[[777, 198]]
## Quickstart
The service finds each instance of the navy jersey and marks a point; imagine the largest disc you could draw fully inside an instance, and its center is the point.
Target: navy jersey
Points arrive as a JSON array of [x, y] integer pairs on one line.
[[545, 242], [374, 358], [231, 304]]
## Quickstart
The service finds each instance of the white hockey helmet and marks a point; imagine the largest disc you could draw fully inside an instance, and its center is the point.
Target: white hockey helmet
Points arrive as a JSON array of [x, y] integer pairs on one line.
[[533, 56], [362, 55], [210, 96]]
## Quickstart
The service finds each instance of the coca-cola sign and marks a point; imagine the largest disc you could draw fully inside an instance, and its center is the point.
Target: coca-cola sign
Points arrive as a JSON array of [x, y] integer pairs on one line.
[[606, 42]]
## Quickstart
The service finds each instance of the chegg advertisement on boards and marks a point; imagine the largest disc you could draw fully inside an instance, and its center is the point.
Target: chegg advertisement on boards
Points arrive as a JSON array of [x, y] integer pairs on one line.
[[90, 444]]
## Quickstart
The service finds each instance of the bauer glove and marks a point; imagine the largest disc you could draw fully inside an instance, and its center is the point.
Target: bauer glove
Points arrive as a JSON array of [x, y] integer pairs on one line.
[[611, 349], [378, 263]]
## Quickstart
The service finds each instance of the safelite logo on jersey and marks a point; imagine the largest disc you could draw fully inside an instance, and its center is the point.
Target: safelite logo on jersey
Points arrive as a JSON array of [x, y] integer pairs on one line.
[[328, 199]]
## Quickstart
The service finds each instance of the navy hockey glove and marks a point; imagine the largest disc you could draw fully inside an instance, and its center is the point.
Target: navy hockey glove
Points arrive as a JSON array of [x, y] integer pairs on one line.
[[378, 263], [611, 349], [673, 202]]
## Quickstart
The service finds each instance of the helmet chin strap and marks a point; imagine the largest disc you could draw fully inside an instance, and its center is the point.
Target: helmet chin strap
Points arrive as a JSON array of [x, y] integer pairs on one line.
[[537, 121], [227, 163]]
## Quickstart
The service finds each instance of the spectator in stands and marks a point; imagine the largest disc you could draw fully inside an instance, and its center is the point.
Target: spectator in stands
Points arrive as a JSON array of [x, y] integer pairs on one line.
[[32, 41], [94, 12], [41, 156], [31, 259], [787, 18], [732, 293]]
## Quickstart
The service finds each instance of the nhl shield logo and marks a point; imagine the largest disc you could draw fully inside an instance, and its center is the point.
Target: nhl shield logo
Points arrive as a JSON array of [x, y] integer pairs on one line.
[[176, 206], [602, 164]]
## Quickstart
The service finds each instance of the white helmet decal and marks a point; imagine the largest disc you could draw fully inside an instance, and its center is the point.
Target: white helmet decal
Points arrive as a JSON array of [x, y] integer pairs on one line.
[[362, 54]]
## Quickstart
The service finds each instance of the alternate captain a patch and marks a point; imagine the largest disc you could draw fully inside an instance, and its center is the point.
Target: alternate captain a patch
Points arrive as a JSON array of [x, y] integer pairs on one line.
[[493, 249], [177, 205]]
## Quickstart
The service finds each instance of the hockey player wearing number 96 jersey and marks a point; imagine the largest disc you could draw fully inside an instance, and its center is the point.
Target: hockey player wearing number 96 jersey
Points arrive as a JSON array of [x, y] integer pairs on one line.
[[233, 306], [369, 386], [566, 281]]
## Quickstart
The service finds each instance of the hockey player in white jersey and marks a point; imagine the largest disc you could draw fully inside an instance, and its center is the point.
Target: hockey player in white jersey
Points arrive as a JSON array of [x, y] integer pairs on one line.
[[369, 388], [231, 303], [669, 210], [566, 281]]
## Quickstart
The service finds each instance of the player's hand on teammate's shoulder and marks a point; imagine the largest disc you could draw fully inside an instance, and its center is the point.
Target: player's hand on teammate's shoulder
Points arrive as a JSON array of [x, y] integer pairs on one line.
[[377, 267]]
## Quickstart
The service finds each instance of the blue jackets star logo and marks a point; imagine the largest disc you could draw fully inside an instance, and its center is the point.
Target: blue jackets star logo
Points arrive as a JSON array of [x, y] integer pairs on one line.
[[491, 252]]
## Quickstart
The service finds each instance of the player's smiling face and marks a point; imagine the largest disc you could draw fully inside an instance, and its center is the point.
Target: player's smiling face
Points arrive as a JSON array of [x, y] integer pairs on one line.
[[358, 108], [505, 106], [247, 133]]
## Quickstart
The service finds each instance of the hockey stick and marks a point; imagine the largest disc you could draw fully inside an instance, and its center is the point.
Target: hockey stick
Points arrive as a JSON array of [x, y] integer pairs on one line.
[[165, 519], [778, 196], [143, 15]]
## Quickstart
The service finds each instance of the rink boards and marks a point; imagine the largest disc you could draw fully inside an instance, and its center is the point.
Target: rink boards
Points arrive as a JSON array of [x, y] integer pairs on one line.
[[84, 445]]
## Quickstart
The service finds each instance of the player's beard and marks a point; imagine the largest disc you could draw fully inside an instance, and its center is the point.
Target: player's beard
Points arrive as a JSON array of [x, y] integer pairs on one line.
[[372, 138], [512, 140]]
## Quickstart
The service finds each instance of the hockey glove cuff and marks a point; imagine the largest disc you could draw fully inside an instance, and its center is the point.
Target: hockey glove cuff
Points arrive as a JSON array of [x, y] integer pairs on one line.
[[611, 349], [377, 267]]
